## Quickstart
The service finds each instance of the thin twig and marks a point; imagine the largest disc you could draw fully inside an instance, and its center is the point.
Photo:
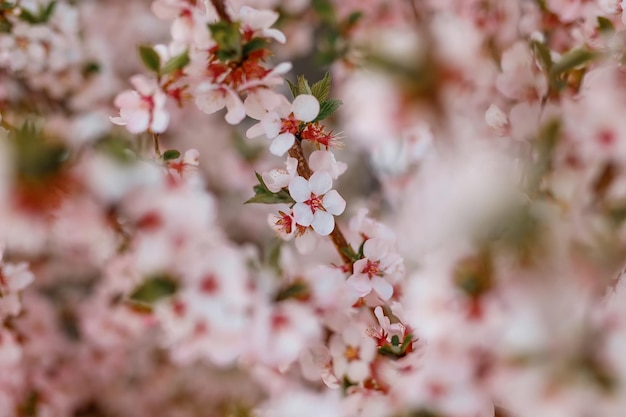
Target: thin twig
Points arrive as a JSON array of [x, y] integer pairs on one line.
[[220, 8], [155, 139]]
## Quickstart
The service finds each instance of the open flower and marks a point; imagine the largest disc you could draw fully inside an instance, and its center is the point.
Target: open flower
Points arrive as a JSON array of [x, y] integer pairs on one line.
[[279, 178], [352, 353], [282, 124], [370, 271], [316, 203], [259, 22], [143, 109], [211, 98]]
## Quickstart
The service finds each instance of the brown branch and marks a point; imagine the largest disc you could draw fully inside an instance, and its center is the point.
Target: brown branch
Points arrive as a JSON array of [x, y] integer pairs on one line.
[[337, 237], [220, 8], [155, 139]]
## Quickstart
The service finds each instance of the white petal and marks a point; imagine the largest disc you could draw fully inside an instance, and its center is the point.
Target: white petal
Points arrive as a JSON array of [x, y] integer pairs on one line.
[[211, 101], [282, 143], [257, 19], [306, 107], [299, 189], [320, 182], [358, 371], [275, 34], [160, 120], [302, 214], [271, 124], [334, 203], [323, 222], [236, 110], [138, 122], [375, 249], [276, 179], [382, 288], [361, 283], [255, 131]]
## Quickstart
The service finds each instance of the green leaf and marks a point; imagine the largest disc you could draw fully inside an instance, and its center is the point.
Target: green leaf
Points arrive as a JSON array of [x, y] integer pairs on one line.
[[543, 54], [296, 290], [321, 89], [303, 85], [91, 68], [27, 16], [150, 58], [264, 196], [395, 340], [325, 10], [171, 154], [293, 88], [327, 108], [47, 11], [176, 63], [354, 18], [254, 45], [154, 289], [605, 26], [571, 60], [228, 39]]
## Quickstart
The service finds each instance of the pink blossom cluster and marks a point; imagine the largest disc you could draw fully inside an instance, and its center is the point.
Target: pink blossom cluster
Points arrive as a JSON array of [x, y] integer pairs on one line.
[[436, 226]]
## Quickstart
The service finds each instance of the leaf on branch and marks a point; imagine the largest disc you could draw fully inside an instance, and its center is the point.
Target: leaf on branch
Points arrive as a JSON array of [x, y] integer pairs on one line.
[[176, 63], [571, 60], [255, 44], [293, 88], [228, 39], [262, 195], [154, 289], [303, 85], [150, 58], [327, 108], [542, 53], [321, 89], [171, 154]]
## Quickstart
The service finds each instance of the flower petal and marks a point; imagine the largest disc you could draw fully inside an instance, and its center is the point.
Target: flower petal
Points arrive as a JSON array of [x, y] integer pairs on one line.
[[282, 143], [375, 249], [334, 203], [382, 288], [361, 283], [299, 189], [306, 107], [302, 214], [323, 223], [236, 110], [320, 182]]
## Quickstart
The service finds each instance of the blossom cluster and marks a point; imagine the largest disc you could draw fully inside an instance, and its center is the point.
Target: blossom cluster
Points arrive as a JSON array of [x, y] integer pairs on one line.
[[435, 227]]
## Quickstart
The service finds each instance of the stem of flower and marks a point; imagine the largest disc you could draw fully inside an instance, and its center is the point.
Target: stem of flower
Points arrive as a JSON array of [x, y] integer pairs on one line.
[[155, 139], [337, 237]]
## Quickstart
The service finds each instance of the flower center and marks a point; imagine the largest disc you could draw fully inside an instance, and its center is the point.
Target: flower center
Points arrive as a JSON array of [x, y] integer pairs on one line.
[[285, 222], [290, 125], [352, 353], [315, 203], [372, 268]]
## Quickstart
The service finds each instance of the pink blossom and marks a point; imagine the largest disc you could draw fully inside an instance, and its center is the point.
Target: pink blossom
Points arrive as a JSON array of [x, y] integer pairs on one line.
[[316, 203], [142, 109], [369, 272], [353, 352]]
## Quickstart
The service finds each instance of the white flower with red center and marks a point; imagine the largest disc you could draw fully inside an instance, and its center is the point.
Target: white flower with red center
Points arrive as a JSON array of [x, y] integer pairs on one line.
[[283, 123], [283, 224], [385, 330], [352, 353], [370, 271], [316, 204], [143, 109]]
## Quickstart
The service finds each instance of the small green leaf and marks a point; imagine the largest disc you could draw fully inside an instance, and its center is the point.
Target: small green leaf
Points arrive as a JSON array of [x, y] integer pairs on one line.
[[296, 290], [354, 18], [154, 289], [228, 39], [293, 88], [254, 45], [27, 16], [264, 196], [571, 60], [303, 85], [91, 68], [325, 10], [150, 58], [171, 154], [47, 11], [543, 54], [176, 63], [395, 340], [605, 26], [327, 108], [321, 89]]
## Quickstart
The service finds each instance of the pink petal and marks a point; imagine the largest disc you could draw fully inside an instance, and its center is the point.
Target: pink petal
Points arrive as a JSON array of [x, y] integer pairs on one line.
[[282, 143], [361, 283], [299, 189], [323, 223], [302, 214], [257, 19], [255, 131], [306, 243], [320, 182], [358, 371], [236, 110], [306, 107], [127, 99], [382, 288], [271, 124], [211, 101], [334, 203], [375, 249], [138, 122], [275, 34], [160, 121]]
